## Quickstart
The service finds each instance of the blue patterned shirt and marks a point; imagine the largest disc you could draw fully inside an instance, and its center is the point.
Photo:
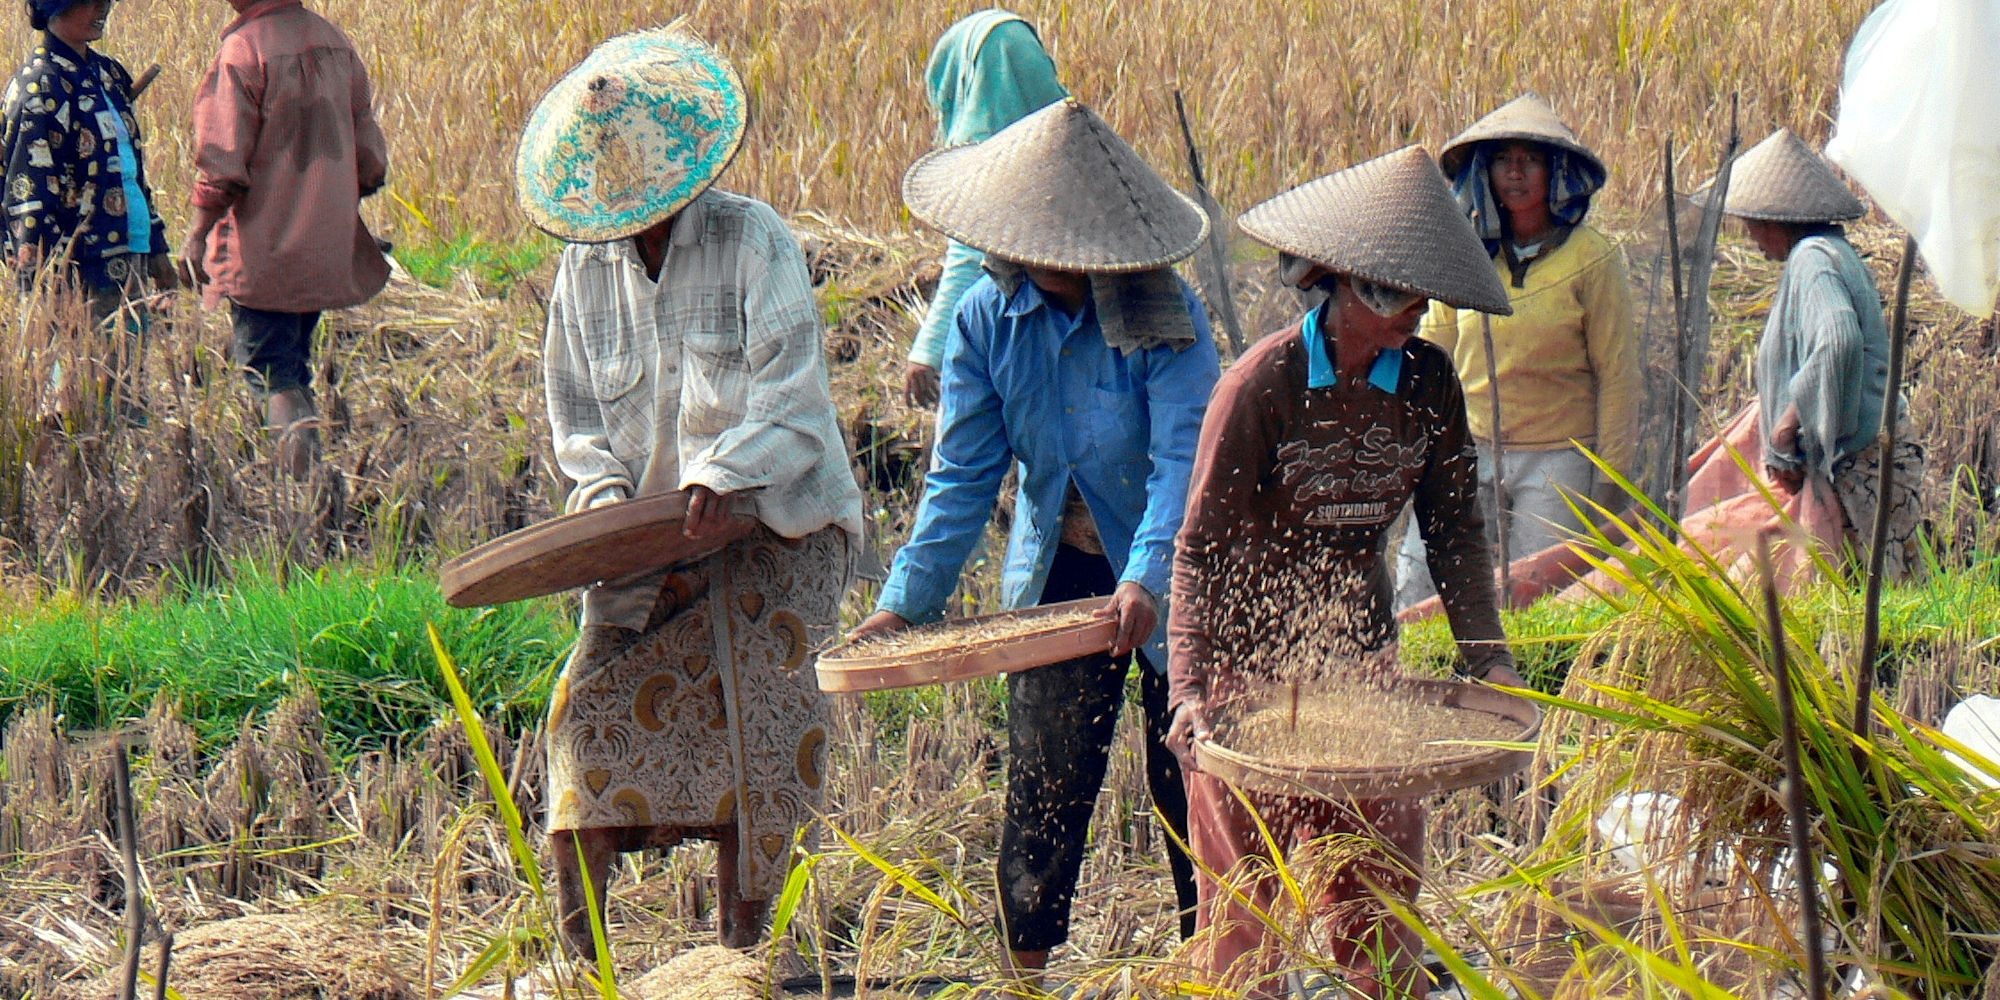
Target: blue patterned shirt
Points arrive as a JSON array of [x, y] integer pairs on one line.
[[75, 179]]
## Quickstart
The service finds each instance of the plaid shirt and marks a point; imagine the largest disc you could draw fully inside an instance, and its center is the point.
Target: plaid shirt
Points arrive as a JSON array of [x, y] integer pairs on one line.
[[715, 375]]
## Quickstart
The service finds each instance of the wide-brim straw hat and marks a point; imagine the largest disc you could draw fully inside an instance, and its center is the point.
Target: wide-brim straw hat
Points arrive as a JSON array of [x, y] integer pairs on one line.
[[634, 133], [1392, 221], [1057, 189], [1527, 118], [1782, 180]]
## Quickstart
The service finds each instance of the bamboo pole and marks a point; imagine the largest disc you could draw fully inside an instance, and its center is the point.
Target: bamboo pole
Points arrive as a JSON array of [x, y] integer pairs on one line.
[[1871, 627], [1213, 265], [128, 849], [1693, 345], [1797, 815], [160, 971], [1500, 519]]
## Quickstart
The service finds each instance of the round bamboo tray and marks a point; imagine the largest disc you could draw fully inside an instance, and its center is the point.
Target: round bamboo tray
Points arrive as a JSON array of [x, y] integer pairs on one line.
[[842, 671], [576, 550], [1451, 768]]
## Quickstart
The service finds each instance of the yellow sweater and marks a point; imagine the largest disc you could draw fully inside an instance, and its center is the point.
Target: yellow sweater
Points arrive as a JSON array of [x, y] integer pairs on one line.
[[1568, 358]]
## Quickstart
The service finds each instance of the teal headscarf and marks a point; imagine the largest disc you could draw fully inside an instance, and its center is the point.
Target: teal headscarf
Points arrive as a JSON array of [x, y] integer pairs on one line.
[[987, 72]]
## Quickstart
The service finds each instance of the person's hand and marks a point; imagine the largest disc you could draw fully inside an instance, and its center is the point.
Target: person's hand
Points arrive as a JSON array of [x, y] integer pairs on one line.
[[1785, 433], [920, 385], [880, 623], [1137, 613], [27, 256], [1189, 725], [1502, 675], [193, 253], [160, 267], [708, 512], [1790, 480]]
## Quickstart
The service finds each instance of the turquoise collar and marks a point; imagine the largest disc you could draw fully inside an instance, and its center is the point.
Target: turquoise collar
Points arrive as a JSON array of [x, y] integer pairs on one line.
[[1385, 374]]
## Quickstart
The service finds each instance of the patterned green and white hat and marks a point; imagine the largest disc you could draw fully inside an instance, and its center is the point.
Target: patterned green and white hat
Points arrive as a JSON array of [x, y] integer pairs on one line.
[[634, 133]]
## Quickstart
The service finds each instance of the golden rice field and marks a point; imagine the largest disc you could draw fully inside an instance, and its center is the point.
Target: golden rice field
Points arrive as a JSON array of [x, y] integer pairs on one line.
[[1280, 90]]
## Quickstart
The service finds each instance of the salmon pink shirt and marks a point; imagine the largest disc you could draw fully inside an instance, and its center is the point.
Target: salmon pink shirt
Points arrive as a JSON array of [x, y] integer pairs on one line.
[[286, 146]]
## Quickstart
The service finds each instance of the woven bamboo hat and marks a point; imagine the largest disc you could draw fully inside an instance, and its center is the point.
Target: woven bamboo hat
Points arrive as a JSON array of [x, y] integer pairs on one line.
[[1056, 189], [1391, 221], [1527, 118], [1782, 180], [637, 130]]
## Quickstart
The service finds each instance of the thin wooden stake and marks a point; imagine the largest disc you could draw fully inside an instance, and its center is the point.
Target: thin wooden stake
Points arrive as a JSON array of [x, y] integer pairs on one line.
[[1500, 519], [1295, 706], [1803, 867], [166, 960], [1212, 267], [128, 849], [1871, 625]]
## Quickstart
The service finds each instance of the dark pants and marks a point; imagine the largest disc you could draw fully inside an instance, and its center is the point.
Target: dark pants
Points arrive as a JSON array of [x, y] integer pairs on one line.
[[1060, 721], [274, 348]]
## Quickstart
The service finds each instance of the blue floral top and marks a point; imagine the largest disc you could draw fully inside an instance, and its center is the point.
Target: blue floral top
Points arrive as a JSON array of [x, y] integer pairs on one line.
[[75, 177]]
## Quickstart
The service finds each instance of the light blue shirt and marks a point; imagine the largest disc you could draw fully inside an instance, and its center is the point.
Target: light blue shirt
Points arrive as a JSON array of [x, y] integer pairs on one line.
[[1025, 382], [1385, 374]]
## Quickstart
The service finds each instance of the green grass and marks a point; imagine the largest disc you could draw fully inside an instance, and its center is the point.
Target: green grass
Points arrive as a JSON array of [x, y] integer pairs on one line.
[[495, 265], [353, 634]]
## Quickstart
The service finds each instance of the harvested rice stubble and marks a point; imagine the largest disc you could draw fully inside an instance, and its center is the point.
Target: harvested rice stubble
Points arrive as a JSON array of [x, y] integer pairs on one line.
[[1361, 728]]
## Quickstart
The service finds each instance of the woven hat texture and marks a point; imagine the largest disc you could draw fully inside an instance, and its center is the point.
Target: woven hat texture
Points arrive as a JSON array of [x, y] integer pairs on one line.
[[1057, 189], [1391, 221], [1782, 180], [637, 130], [1527, 117]]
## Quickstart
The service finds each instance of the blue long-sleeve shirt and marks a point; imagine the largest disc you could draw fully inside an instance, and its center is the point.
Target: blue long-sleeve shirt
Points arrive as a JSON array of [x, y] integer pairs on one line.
[[1025, 382]]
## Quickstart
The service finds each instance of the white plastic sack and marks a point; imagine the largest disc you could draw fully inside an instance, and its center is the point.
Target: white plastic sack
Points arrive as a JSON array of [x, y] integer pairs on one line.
[[1975, 722], [1919, 128]]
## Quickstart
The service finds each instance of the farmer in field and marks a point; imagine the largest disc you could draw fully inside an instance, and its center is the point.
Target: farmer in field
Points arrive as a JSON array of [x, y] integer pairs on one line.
[[285, 148], [1565, 364], [1822, 369], [987, 72], [1314, 441], [684, 353], [76, 195], [1081, 357]]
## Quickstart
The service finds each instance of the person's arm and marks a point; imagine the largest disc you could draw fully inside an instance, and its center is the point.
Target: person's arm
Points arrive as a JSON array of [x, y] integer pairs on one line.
[[1828, 385], [1238, 443], [1178, 384], [228, 116], [968, 462], [1611, 341], [37, 217], [576, 420], [1453, 525], [961, 272], [371, 149], [778, 440]]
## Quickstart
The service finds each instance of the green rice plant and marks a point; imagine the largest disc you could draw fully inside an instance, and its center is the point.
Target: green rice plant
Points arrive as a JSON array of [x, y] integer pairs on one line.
[[354, 637], [1675, 694], [536, 935]]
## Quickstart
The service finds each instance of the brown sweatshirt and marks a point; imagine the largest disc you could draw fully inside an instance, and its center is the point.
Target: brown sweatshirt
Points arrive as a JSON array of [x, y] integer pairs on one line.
[[1279, 571]]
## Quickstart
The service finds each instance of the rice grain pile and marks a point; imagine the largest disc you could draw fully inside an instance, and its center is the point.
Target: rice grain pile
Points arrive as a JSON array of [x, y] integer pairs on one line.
[[1360, 728]]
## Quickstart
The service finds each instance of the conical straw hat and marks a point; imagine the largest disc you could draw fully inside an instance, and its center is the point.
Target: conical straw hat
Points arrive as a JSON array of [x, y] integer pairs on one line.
[[637, 130], [1391, 221], [1057, 189], [1782, 180], [1527, 117]]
